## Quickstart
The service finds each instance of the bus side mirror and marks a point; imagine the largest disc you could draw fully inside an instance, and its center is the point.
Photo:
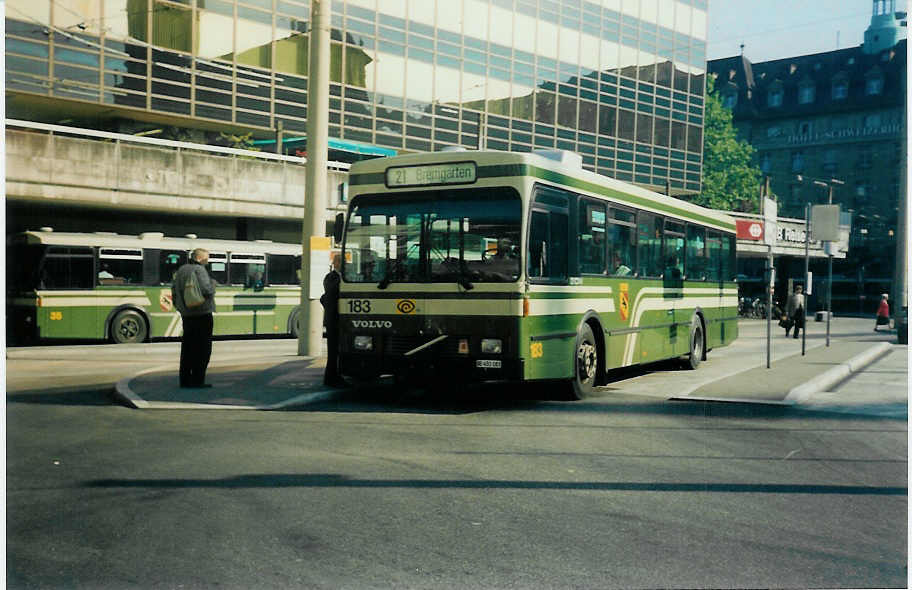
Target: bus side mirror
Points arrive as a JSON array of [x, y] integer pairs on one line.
[[338, 226]]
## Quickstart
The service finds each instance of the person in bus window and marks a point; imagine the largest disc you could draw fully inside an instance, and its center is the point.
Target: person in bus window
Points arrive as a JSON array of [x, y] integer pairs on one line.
[[620, 269], [504, 263], [104, 273]]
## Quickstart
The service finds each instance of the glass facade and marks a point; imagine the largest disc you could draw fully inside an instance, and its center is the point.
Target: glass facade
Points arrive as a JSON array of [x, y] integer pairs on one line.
[[619, 81]]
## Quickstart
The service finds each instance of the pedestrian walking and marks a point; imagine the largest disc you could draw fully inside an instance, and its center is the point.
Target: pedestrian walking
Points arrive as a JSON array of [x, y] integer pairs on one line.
[[193, 294], [883, 313], [330, 302], [794, 310]]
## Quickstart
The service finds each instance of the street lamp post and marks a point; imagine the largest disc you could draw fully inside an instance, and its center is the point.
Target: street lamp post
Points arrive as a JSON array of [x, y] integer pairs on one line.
[[828, 247], [829, 252]]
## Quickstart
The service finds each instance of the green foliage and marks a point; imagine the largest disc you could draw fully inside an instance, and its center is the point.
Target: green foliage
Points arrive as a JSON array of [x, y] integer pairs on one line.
[[731, 181], [241, 142]]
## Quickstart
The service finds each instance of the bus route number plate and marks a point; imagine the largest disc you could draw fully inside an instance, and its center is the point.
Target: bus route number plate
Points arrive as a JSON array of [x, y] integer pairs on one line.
[[437, 174], [488, 364]]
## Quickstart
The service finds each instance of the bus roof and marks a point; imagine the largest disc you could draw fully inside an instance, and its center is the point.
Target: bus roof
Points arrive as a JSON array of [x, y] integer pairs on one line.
[[154, 240], [366, 175]]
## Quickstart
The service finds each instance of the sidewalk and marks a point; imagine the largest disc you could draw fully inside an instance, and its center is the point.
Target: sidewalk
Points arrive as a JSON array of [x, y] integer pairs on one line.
[[730, 374]]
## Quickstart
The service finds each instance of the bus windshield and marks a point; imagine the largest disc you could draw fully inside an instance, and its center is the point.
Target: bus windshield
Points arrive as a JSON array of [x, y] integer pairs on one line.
[[434, 236]]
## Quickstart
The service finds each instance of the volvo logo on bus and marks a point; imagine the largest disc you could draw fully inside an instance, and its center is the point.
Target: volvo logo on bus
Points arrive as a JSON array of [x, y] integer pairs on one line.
[[372, 323], [405, 306]]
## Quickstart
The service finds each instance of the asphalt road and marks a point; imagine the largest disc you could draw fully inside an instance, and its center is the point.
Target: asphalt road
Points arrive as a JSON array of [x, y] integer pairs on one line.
[[492, 488]]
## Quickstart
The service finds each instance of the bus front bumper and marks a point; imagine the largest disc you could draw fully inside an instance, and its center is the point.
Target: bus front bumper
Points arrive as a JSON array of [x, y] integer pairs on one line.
[[430, 368]]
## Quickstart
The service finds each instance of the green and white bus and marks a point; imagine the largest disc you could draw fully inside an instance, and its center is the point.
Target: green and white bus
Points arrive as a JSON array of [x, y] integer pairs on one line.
[[118, 287], [523, 266]]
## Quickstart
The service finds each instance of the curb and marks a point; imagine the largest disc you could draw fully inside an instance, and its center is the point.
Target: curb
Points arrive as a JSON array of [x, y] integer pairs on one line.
[[824, 381], [124, 392]]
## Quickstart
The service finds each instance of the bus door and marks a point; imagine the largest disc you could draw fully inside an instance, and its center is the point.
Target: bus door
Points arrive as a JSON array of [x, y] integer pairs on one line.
[[65, 292], [678, 327]]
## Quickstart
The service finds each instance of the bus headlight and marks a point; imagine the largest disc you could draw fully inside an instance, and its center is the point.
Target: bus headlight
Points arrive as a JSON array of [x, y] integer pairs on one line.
[[491, 346], [364, 342]]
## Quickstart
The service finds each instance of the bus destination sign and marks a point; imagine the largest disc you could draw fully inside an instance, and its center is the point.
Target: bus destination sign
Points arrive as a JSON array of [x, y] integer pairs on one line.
[[455, 173]]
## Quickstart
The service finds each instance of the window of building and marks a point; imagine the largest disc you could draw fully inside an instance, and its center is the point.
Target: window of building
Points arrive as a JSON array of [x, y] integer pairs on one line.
[[729, 100], [805, 128], [873, 120], [774, 97], [773, 131], [807, 93], [840, 89], [765, 163], [874, 86], [861, 189], [797, 161]]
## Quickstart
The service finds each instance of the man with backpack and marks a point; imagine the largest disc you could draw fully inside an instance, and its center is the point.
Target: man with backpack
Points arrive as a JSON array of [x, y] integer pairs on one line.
[[193, 294]]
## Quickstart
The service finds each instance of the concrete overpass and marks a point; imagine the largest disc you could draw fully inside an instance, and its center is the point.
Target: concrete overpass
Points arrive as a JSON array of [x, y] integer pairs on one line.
[[95, 180]]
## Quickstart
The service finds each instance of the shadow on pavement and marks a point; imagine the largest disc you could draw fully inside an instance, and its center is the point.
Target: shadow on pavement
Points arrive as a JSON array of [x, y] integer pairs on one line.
[[329, 480], [95, 395]]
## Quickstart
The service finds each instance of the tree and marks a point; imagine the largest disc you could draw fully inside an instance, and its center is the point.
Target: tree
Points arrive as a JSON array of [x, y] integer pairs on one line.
[[731, 180]]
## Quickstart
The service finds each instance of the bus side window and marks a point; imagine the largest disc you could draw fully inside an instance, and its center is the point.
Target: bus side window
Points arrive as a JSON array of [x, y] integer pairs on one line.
[[282, 269], [68, 268], [548, 245], [696, 253], [170, 261], [727, 256], [621, 243], [649, 245], [713, 253], [538, 245], [592, 237]]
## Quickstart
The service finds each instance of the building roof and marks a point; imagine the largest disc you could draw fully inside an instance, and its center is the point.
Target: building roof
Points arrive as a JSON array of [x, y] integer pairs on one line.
[[754, 81]]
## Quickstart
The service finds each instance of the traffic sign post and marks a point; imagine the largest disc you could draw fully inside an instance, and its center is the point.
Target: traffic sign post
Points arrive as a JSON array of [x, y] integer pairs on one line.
[[770, 229]]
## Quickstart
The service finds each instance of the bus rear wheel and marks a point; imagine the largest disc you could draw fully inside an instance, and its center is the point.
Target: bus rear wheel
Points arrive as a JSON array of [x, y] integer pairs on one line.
[[294, 323], [697, 345], [128, 326], [586, 362]]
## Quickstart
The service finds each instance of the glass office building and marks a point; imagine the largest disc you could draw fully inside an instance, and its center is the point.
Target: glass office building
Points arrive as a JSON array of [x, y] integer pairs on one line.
[[619, 81]]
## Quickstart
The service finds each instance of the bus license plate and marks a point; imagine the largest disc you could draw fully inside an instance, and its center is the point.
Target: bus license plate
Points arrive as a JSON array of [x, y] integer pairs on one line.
[[487, 364]]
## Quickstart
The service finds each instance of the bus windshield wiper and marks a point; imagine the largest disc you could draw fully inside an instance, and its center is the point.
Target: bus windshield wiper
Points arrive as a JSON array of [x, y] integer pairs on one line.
[[388, 275]]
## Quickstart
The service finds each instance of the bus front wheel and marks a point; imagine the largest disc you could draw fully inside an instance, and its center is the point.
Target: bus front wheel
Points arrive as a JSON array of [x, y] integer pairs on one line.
[[128, 326], [585, 363]]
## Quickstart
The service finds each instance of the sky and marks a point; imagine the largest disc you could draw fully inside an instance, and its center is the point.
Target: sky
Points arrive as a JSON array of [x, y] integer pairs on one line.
[[775, 29]]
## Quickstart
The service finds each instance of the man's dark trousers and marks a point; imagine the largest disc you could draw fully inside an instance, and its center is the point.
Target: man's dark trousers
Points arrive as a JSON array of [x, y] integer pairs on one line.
[[196, 348]]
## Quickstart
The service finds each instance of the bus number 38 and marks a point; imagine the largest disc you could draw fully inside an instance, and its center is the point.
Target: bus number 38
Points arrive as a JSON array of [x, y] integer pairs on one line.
[[359, 306]]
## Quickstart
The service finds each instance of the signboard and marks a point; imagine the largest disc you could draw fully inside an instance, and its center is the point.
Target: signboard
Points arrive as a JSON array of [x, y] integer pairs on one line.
[[825, 223], [437, 174], [770, 216], [749, 229], [320, 262]]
